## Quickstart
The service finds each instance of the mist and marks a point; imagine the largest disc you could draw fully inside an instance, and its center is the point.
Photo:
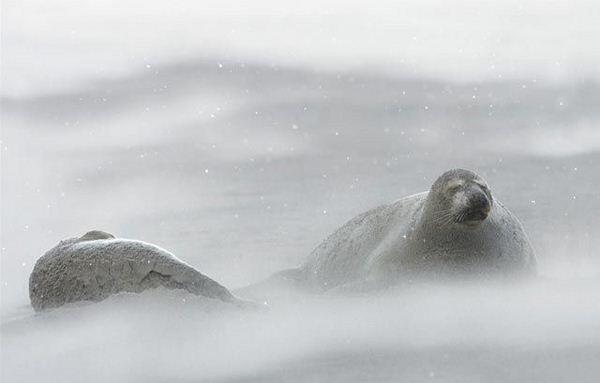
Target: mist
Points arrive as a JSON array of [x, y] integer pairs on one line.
[[469, 332], [239, 136]]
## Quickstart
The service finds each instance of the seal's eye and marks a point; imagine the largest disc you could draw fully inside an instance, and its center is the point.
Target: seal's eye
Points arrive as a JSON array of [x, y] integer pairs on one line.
[[453, 186]]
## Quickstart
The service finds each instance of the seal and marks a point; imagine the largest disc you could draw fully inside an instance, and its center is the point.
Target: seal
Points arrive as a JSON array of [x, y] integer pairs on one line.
[[457, 228], [97, 265]]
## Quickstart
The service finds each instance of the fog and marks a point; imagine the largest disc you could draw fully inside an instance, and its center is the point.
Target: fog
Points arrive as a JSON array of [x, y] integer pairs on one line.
[[542, 332], [239, 136]]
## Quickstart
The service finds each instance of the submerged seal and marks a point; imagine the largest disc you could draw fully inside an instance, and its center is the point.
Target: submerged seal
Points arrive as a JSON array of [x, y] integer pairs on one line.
[[97, 265], [457, 228]]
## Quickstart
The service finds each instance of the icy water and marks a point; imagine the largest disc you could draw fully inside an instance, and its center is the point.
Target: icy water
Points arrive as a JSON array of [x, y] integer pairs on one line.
[[241, 167]]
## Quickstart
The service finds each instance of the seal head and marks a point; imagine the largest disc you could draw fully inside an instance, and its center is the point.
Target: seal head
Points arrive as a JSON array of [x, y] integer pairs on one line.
[[459, 198]]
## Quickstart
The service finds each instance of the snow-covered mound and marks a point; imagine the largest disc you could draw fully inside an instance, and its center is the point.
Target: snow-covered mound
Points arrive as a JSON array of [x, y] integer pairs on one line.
[[98, 265]]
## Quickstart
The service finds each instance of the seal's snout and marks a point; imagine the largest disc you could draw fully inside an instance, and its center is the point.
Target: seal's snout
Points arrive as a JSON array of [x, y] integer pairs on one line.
[[479, 207], [480, 202]]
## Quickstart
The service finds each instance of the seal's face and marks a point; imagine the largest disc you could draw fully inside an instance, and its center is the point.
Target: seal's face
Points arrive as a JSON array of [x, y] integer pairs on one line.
[[463, 198]]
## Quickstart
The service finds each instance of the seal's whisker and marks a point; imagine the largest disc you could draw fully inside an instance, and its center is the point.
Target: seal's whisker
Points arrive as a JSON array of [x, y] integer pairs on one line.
[[442, 213], [443, 217], [443, 221]]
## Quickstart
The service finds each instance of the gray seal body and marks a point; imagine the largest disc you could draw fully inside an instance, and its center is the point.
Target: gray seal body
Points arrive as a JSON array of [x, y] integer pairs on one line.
[[455, 229], [97, 265]]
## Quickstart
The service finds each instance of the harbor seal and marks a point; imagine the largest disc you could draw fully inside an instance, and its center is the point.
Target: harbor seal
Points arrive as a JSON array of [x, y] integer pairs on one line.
[[457, 228], [97, 265]]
